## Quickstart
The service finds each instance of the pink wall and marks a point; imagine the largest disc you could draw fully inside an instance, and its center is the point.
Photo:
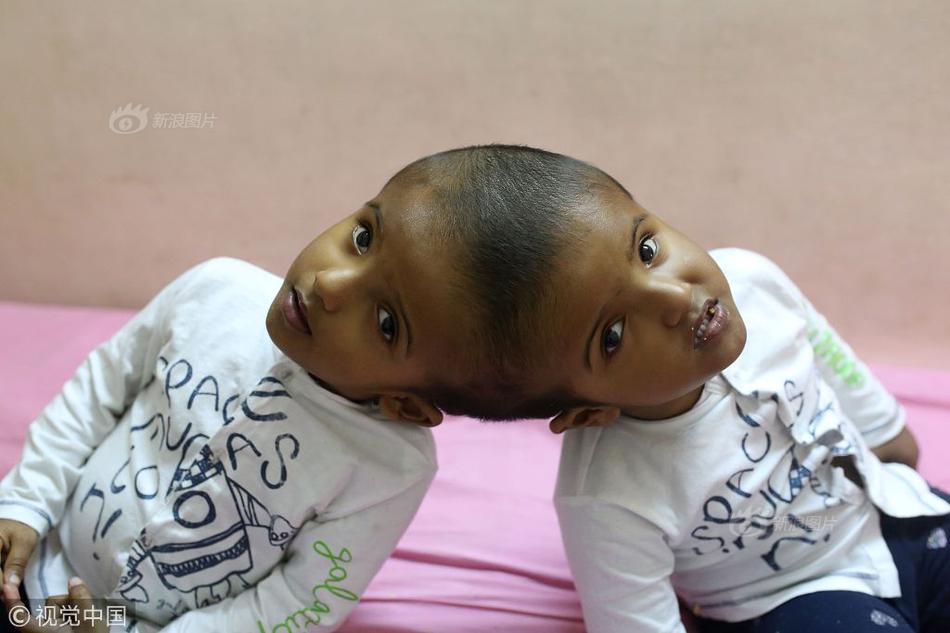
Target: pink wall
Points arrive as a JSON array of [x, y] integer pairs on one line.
[[816, 132]]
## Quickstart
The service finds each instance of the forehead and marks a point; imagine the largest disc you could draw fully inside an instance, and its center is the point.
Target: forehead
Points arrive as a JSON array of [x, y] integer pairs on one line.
[[601, 239], [593, 269], [409, 206], [420, 263], [413, 226]]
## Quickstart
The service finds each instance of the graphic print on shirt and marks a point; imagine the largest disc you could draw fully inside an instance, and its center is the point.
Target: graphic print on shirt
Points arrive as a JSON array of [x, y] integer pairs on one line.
[[210, 565], [213, 522], [728, 525]]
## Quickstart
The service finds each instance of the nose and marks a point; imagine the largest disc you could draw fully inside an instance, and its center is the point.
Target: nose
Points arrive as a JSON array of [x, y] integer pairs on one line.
[[671, 298], [335, 286]]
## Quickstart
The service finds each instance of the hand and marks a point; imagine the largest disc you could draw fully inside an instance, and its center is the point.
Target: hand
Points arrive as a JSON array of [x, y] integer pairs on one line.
[[17, 541], [902, 449], [78, 598]]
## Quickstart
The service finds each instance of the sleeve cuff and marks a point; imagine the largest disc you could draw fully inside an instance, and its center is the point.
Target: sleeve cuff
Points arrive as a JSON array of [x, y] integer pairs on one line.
[[886, 431], [26, 512]]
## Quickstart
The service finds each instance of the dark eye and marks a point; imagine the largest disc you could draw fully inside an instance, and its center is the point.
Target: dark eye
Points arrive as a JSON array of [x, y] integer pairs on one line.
[[362, 238], [387, 324], [612, 337], [648, 249]]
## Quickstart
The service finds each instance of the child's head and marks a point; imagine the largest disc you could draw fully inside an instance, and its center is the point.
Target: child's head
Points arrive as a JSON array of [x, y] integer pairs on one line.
[[588, 304], [627, 314], [646, 317], [430, 296], [505, 282]]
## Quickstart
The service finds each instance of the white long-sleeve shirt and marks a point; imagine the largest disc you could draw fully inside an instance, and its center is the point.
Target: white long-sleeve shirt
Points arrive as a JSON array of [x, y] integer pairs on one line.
[[734, 505], [193, 471]]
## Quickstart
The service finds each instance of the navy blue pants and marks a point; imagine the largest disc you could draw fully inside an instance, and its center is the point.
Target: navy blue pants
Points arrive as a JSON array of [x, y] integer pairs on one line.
[[922, 555]]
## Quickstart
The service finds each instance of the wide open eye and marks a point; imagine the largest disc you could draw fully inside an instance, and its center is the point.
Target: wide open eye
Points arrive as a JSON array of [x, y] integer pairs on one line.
[[648, 249], [612, 337], [387, 323], [362, 238]]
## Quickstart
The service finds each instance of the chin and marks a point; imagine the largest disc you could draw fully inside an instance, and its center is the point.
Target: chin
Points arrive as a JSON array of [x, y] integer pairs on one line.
[[271, 324], [279, 334], [737, 343]]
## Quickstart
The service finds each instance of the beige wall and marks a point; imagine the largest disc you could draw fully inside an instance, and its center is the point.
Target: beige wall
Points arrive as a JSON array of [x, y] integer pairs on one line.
[[816, 132]]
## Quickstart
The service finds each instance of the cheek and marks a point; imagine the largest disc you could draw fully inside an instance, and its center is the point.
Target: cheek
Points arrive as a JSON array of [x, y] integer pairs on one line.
[[675, 371], [310, 253], [737, 340], [339, 350], [342, 371]]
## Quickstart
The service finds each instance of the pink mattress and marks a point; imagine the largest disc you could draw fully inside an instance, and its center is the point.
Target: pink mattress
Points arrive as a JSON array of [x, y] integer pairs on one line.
[[484, 553]]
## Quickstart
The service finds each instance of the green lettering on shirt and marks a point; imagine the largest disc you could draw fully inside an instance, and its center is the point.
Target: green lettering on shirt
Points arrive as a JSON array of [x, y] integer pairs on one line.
[[829, 351], [331, 584]]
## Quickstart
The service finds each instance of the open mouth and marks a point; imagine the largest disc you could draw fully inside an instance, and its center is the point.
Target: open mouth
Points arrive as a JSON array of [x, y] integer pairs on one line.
[[295, 313], [710, 322]]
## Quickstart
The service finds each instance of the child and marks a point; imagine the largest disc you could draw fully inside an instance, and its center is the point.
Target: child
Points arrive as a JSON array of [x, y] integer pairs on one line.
[[725, 445], [224, 462]]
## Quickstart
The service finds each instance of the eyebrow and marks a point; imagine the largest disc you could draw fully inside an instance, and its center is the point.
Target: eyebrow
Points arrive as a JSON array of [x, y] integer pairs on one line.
[[632, 250], [593, 333], [631, 253], [377, 211], [379, 215], [405, 318], [590, 339]]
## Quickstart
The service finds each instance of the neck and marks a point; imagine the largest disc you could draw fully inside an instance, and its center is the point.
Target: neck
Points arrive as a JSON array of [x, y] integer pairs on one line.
[[336, 391], [668, 409]]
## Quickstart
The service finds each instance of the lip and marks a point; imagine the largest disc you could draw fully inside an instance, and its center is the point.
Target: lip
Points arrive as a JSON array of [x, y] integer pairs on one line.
[[711, 326], [295, 312]]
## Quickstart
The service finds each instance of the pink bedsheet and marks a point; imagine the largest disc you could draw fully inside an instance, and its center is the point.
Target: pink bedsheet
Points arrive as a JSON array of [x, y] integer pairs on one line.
[[484, 553]]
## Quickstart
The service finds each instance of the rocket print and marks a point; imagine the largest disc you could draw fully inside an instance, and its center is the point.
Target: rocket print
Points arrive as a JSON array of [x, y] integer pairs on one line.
[[213, 559]]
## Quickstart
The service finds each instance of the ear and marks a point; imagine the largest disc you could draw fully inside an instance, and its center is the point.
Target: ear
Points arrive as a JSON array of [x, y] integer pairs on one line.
[[410, 408], [582, 417]]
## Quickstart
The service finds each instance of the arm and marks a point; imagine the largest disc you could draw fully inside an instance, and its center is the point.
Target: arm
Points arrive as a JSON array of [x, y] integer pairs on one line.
[[621, 566], [875, 412], [77, 420], [327, 567]]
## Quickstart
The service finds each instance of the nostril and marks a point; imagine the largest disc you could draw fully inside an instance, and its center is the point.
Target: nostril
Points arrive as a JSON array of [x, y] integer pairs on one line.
[[320, 289], [673, 318], [331, 286], [674, 300]]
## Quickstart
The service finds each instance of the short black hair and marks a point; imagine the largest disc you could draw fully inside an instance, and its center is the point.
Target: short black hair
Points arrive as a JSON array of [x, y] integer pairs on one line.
[[510, 208]]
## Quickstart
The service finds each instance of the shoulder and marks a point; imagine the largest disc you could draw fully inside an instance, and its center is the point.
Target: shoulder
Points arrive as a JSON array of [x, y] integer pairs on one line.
[[224, 283], [399, 447], [754, 279], [740, 260], [358, 435], [371, 458], [236, 272], [616, 467], [744, 266], [216, 312], [601, 462], [775, 314]]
